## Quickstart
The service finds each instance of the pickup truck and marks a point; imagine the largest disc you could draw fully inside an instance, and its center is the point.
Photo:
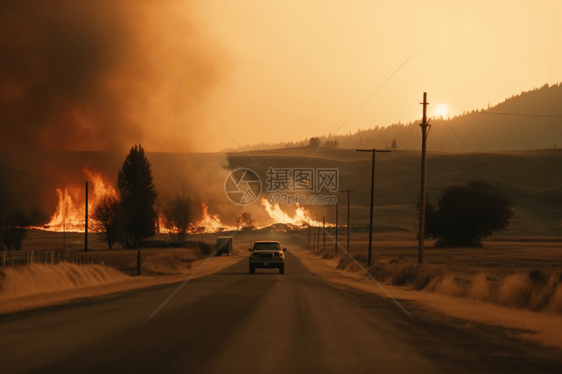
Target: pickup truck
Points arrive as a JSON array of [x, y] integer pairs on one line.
[[267, 255]]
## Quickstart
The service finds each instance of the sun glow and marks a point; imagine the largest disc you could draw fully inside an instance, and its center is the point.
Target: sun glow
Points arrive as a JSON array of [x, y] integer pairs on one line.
[[441, 110]]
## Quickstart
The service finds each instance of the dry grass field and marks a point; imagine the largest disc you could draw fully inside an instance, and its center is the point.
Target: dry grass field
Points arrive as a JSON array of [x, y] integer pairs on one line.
[[519, 272], [530, 178], [519, 268], [99, 271]]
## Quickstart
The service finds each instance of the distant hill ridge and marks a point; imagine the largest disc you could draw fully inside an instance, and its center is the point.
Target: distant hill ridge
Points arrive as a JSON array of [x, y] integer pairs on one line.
[[470, 131]]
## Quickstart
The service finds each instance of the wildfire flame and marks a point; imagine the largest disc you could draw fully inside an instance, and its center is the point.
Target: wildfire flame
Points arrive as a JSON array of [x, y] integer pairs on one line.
[[210, 223], [70, 213], [301, 216], [206, 224]]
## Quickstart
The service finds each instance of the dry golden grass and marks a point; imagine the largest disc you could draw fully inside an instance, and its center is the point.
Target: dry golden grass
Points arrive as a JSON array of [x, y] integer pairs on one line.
[[480, 288], [556, 303], [517, 272], [29, 287], [517, 290], [25, 281], [544, 327]]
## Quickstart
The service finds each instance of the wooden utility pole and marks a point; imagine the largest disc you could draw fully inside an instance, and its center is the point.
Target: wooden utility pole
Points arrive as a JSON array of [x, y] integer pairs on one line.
[[425, 127], [313, 239], [336, 227], [318, 239], [324, 233], [372, 199], [86, 222], [348, 218]]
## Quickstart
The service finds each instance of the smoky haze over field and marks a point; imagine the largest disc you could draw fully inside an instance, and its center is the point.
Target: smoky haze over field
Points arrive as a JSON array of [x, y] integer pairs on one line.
[[77, 76]]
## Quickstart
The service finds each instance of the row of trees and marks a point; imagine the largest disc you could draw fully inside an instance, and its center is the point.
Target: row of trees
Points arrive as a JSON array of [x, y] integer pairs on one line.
[[465, 214], [132, 218], [316, 142]]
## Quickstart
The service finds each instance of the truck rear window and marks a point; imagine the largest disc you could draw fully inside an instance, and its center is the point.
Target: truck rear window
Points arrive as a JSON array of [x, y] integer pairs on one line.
[[267, 247]]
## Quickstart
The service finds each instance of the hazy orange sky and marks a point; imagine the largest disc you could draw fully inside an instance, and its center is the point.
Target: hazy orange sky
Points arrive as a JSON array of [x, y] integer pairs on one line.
[[301, 68], [268, 71]]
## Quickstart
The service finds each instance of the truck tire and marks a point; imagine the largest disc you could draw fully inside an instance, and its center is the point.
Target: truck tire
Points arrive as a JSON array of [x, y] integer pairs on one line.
[[252, 270], [282, 269]]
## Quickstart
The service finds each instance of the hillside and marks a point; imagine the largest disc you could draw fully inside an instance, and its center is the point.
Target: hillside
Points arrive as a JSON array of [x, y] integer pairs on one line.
[[480, 130], [532, 179]]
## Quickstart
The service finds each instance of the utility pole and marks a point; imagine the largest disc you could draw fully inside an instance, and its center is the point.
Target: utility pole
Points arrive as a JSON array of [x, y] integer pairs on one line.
[[324, 233], [348, 218], [425, 127], [336, 227], [86, 222], [374, 151], [318, 239]]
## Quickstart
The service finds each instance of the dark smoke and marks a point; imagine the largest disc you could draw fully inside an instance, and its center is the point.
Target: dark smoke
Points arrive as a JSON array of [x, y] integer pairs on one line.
[[76, 76], [54, 57]]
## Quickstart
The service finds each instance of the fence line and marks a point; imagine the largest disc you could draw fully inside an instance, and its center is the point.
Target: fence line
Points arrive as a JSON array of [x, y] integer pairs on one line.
[[28, 258]]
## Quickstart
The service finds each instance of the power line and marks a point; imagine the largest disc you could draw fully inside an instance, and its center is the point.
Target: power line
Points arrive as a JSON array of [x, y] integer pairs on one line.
[[407, 138], [30, 177], [520, 114], [457, 135], [519, 201], [361, 106], [439, 145]]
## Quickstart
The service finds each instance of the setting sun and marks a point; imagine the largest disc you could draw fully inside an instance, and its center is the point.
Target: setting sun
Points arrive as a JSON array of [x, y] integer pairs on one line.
[[441, 110]]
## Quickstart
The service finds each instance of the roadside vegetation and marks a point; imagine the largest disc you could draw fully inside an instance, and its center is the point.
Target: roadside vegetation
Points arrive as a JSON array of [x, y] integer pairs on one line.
[[177, 218], [467, 214], [533, 290]]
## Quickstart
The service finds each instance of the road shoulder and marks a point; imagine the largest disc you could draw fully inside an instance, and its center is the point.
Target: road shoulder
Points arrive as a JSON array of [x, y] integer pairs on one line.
[[542, 328], [215, 265]]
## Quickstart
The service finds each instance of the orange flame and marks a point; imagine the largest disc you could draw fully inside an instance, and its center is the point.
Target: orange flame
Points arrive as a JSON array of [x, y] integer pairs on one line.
[[301, 217], [209, 223], [70, 213], [206, 224]]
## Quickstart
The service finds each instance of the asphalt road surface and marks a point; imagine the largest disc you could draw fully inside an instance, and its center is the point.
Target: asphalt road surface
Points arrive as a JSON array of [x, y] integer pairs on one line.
[[233, 322]]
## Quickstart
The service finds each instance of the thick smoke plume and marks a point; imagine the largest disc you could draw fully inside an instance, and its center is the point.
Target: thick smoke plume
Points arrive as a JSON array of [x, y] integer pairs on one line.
[[76, 76]]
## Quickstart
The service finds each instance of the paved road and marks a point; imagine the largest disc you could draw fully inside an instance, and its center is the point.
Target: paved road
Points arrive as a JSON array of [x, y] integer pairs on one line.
[[233, 322]]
